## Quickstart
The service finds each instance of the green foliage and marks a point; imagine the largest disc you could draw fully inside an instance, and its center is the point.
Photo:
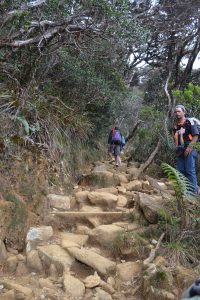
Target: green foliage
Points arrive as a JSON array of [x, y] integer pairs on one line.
[[160, 278], [148, 133], [183, 189], [180, 252], [190, 97], [165, 218], [181, 185], [128, 240], [73, 87]]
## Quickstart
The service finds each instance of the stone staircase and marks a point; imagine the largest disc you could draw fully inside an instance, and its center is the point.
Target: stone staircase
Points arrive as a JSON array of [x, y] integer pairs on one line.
[[88, 247]]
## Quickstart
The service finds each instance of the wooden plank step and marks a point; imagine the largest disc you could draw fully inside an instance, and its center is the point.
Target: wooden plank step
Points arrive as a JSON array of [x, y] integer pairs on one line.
[[90, 214]]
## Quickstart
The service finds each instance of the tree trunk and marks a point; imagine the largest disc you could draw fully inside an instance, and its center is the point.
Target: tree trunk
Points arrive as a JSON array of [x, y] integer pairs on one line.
[[149, 160], [131, 134], [190, 63]]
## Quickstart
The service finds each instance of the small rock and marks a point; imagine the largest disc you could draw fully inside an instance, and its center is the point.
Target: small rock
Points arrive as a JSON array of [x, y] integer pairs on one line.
[[13, 251], [21, 257], [92, 281], [21, 269], [45, 282], [11, 263], [102, 295], [34, 261], [73, 286], [111, 281], [154, 242]]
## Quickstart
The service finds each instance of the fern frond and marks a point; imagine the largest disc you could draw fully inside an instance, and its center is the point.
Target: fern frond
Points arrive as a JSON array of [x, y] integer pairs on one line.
[[181, 185], [195, 145]]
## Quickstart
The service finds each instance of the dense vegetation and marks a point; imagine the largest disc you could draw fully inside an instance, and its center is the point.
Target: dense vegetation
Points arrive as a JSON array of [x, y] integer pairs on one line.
[[70, 70]]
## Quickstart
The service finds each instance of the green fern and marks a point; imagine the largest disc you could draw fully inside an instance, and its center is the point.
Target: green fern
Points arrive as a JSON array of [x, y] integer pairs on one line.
[[195, 145], [183, 189], [181, 185]]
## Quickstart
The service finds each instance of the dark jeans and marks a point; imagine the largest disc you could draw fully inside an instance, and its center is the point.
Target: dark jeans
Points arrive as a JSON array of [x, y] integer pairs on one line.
[[187, 166]]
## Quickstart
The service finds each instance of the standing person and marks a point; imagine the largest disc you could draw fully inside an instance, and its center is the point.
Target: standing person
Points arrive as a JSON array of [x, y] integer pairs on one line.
[[184, 134], [114, 144]]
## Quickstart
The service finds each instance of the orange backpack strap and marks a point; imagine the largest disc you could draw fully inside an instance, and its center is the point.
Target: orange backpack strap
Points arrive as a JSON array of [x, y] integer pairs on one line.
[[179, 134], [190, 136]]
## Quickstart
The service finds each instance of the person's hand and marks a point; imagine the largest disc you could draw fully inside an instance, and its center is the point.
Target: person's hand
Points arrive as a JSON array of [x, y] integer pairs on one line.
[[180, 150], [188, 150]]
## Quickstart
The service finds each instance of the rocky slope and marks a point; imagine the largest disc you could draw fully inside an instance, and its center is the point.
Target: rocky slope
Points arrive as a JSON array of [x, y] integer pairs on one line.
[[95, 244]]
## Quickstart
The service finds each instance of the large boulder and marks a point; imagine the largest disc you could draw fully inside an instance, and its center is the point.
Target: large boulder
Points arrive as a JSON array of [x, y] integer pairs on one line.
[[59, 201], [122, 201], [54, 254], [133, 171], [122, 178], [110, 190], [106, 234], [100, 167], [80, 239], [81, 196], [102, 198], [95, 221], [150, 206], [38, 235], [126, 271], [158, 185], [99, 263], [135, 185]]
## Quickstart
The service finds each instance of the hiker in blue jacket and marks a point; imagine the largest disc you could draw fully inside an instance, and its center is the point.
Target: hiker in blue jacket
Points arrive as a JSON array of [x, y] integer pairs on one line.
[[114, 144]]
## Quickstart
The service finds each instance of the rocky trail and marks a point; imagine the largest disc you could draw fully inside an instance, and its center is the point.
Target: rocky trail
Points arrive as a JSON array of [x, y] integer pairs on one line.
[[93, 246]]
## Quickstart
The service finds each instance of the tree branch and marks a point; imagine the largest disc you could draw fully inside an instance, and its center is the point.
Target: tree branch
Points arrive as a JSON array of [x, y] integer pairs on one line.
[[131, 134], [149, 160], [67, 27], [153, 251], [35, 3]]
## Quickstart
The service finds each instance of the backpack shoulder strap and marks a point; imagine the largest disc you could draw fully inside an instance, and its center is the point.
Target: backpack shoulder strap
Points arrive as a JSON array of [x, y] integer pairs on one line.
[[190, 121]]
